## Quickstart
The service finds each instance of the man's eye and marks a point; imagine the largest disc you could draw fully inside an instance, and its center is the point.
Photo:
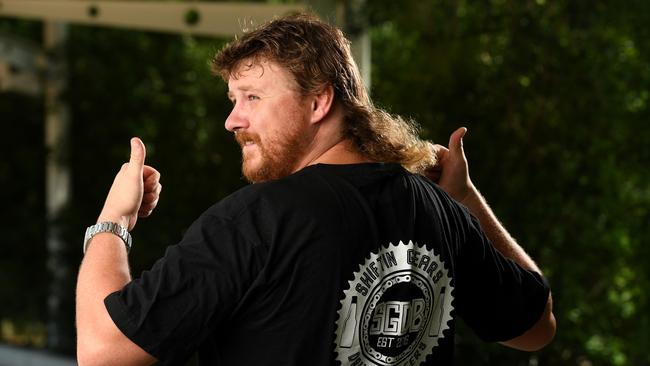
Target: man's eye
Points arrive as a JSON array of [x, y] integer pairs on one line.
[[253, 97]]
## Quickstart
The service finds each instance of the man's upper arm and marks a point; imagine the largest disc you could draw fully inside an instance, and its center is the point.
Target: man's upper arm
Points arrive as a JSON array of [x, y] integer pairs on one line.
[[540, 334], [114, 348], [498, 298], [173, 307]]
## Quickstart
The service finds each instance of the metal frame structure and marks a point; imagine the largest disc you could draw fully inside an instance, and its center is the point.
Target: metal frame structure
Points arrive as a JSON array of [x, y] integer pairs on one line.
[[213, 19], [201, 18]]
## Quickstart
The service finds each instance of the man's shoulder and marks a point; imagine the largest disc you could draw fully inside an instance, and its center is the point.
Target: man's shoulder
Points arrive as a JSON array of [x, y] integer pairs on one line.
[[259, 197], [316, 185]]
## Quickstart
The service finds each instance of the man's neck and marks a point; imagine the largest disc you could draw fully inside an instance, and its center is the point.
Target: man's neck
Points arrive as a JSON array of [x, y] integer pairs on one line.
[[336, 152], [328, 144], [343, 152]]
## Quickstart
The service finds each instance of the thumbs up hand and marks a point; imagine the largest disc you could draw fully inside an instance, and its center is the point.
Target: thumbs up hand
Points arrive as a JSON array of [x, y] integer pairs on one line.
[[135, 190], [451, 171]]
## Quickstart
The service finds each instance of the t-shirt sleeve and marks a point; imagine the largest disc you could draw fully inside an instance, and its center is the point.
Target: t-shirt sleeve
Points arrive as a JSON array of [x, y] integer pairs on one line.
[[497, 298], [189, 292]]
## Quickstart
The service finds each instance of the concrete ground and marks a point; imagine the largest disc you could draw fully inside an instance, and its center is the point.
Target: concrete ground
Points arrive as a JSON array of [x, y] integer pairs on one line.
[[16, 356]]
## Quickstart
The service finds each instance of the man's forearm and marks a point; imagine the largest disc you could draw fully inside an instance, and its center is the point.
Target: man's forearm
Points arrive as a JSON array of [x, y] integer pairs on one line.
[[453, 176], [104, 270], [494, 230], [543, 331]]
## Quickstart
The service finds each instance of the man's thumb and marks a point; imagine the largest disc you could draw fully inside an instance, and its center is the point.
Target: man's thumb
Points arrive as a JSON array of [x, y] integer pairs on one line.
[[137, 155], [456, 141]]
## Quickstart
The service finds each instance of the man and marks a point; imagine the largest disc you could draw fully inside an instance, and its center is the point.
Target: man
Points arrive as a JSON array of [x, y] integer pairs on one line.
[[336, 255]]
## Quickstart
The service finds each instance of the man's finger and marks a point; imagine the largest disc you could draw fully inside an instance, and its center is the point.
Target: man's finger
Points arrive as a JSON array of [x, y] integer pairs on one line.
[[138, 152], [145, 213], [148, 207], [441, 152], [150, 173], [150, 185], [156, 188], [146, 210], [456, 141], [149, 197]]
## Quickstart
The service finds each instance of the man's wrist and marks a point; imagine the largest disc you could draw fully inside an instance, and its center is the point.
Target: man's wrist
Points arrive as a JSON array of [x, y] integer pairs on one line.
[[473, 199], [120, 220], [107, 227]]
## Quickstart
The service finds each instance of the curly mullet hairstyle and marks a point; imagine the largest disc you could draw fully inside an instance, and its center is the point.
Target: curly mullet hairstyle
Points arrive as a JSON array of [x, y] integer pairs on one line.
[[318, 54]]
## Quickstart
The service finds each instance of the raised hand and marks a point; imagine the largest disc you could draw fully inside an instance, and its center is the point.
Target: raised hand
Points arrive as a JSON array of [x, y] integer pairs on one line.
[[451, 172], [135, 190]]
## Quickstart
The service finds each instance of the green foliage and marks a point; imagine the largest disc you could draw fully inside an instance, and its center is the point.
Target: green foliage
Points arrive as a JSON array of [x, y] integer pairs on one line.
[[22, 196], [158, 87], [21, 220], [555, 95], [120, 84]]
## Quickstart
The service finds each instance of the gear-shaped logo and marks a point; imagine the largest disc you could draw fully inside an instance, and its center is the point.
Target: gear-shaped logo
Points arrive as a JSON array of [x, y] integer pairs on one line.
[[396, 308]]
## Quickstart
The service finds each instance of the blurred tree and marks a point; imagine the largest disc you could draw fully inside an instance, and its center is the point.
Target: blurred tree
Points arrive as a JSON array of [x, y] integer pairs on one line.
[[158, 87], [21, 222], [121, 84], [555, 96], [22, 179]]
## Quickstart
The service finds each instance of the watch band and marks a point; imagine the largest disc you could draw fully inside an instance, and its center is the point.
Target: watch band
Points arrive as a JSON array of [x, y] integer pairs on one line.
[[108, 227]]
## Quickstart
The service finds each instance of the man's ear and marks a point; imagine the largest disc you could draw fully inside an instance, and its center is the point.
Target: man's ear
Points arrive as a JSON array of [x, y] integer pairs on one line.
[[321, 103]]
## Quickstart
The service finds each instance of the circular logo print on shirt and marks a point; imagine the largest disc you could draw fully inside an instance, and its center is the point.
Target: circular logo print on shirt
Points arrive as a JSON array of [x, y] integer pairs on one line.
[[396, 308]]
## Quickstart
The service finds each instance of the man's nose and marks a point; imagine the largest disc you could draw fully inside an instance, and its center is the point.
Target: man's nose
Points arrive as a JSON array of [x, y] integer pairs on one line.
[[236, 120]]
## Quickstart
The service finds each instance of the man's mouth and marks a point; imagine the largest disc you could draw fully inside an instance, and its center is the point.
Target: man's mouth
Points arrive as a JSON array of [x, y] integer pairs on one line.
[[245, 139], [247, 145]]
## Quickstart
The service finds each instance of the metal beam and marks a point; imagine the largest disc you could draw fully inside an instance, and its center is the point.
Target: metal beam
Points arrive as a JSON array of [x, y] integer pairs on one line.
[[201, 18], [58, 190]]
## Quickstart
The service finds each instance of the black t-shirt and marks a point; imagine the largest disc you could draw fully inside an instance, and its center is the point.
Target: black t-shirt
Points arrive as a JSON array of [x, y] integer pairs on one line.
[[353, 264]]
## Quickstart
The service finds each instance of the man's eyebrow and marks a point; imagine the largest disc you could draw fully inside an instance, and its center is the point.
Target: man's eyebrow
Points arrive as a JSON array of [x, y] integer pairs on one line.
[[244, 88]]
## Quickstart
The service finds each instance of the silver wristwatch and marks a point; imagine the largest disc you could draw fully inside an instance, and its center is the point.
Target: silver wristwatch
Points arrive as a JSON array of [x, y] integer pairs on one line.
[[108, 227]]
